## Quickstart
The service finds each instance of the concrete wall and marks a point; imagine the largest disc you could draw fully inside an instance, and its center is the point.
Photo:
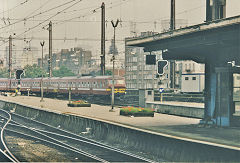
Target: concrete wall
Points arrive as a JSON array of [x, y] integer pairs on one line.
[[169, 148], [185, 111]]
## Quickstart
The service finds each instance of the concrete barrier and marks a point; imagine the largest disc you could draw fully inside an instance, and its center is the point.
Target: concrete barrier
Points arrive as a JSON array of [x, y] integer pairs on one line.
[[185, 111], [167, 147]]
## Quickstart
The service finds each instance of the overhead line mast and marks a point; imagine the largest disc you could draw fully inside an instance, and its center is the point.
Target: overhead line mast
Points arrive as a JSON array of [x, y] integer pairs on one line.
[[50, 50], [103, 41], [172, 62]]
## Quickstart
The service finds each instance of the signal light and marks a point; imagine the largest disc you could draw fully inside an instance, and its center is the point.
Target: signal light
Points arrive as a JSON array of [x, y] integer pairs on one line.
[[160, 66]]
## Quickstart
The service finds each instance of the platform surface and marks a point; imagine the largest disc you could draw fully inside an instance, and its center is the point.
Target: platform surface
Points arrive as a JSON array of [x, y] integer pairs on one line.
[[160, 123]]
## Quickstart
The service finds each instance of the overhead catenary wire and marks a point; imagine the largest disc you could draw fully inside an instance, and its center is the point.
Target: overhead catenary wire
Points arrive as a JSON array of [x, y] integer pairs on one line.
[[78, 1], [20, 4], [87, 14], [44, 4], [5, 41], [40, 13]]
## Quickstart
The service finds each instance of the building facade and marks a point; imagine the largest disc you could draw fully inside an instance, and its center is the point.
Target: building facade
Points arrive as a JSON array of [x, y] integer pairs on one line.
[[139, 75], [192, 77], [78, 60]]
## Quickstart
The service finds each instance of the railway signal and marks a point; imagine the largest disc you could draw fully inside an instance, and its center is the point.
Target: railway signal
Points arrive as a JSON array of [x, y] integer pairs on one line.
[[19, 74], [161, 64]]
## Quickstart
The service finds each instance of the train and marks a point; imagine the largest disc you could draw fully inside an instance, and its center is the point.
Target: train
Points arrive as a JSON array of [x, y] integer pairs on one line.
[[86, 85]]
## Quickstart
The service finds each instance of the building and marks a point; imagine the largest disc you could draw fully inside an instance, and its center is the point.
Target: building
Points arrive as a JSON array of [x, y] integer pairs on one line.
[[192, 77], [78, 60], [21, 58], [15, 60], [28, 57], [138, 75]]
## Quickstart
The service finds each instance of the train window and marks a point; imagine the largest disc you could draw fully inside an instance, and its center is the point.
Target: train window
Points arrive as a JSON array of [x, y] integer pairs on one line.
[[186, 78], [194, 78]]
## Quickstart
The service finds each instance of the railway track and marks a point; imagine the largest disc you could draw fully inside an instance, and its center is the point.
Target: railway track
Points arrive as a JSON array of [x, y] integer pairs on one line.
[[75, 145], [5, 154]]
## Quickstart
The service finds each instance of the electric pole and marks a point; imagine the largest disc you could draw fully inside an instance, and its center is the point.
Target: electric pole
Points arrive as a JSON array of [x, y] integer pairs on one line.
[[172, 23], [10, 58], [113, 59], [172, 62], [50, 50], [42, 44], [103, 41]]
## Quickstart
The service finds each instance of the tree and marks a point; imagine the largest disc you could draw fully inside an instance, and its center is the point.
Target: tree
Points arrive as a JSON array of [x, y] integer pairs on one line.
[[3, 73], [34, 71], [108, 72], [98, 73], [63, 72]]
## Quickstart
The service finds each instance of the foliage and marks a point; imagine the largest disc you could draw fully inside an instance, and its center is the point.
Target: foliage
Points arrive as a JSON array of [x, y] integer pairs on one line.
[[34, 71], [136, 111], [3, 73], [107, 73], [63, 72], [79, 102]]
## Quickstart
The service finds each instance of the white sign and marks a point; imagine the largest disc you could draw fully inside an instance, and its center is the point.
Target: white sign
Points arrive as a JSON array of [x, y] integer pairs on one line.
[[161, 90]]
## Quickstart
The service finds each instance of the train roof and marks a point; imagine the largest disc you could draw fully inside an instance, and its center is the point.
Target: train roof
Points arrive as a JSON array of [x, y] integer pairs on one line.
[[72, 77]]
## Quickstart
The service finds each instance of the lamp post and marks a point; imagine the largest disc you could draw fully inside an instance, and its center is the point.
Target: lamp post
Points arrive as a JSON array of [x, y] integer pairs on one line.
[[42, 44], [113, 59]]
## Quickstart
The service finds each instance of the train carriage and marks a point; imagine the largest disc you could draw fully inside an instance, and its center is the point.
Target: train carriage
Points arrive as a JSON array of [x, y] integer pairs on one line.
[[88, 85]]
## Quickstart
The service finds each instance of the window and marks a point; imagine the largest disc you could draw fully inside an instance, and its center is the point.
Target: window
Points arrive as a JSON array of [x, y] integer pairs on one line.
[[194, 78], [186, 78], [149, 92]]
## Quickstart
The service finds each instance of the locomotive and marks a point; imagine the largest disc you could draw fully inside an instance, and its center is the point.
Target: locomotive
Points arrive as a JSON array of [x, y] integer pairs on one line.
[[86, 85]]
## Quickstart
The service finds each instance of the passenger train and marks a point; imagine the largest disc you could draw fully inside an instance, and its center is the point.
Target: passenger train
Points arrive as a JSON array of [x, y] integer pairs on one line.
[[87, 85]]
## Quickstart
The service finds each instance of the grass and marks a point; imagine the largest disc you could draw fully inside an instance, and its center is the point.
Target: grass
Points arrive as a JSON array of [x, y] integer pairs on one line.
[[136, 111]]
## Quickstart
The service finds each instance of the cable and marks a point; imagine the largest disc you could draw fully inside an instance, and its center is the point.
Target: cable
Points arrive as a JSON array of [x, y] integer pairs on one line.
[[22, 3], [93, 12], [44, 4], [26, 18], [46, 19]]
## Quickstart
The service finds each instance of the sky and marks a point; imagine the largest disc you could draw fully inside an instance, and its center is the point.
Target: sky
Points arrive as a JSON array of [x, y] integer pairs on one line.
[[78, 22]]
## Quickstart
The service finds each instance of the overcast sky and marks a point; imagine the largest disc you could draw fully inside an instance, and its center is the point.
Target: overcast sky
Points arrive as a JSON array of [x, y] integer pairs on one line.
[[84, 30]]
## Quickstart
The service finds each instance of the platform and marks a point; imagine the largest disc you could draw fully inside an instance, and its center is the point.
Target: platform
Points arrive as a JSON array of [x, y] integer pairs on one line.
[[186, 128]]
